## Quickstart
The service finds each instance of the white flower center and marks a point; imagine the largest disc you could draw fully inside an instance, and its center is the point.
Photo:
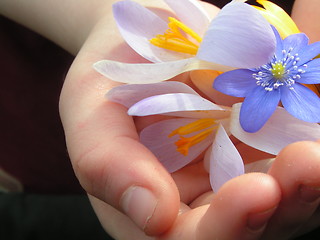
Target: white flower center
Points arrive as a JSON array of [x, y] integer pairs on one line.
[[280, 72]]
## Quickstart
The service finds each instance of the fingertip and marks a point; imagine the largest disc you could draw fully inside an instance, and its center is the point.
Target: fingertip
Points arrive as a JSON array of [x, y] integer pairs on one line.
[[133, 181], [148, 210], [150, 197], [165, 212], [297, 162], [255, 191], [243, 207]]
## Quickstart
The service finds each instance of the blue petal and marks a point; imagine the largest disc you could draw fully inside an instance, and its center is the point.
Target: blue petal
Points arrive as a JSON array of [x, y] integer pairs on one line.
[[236, 40], [257, 108], [312, 74], [296, 42], [301, 102], [237, 83], [309, 52], [279, 41]]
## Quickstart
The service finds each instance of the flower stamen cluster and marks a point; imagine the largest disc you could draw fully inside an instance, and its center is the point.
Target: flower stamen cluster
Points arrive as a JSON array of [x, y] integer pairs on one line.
[[206, 126], [286, 79], [176, 38], [280, 72]]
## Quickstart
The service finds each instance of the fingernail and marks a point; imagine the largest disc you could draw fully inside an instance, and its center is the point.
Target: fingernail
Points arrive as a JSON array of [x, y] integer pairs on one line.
[[139, 204], [258, 221], [309, 194]]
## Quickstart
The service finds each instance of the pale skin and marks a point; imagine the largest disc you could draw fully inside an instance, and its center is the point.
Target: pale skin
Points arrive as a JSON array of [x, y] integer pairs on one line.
[[109, 161]]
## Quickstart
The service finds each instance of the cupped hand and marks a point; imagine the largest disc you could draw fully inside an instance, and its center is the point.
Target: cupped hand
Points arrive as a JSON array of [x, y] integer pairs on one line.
[[281, 204], [108, 159], [134, 196]]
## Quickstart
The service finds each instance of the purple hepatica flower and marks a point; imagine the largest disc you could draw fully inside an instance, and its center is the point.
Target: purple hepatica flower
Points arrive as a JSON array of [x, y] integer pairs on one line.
[[194, 125], [281, 79], [230, 40]]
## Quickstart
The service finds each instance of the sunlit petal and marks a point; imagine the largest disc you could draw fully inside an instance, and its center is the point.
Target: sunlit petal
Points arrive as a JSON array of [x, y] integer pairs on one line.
[[301, 102], [186, 8], [150, 72], [173, 102], [225, 160], [129, 94], [278, 17], [279, 131], [155, 137], [137, 26], [236, 40]]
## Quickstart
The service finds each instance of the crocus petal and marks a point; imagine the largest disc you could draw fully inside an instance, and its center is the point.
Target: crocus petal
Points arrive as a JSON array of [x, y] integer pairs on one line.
[[137, 26], [237, 83], [151, 72], [216, 114], [186, 8], [279, 131], [141, 73], [173, 102], [301, 102], [236, 40], [155, 137], [130, 94], [257, 108], [312, 74], [225, 160]]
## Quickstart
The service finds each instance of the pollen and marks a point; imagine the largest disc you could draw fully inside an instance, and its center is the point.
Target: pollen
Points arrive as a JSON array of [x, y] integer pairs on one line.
[[278, 70], [178, 38], [203, 127]]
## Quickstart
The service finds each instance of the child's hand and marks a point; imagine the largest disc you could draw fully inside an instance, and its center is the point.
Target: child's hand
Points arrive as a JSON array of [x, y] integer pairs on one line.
[[124, 177]]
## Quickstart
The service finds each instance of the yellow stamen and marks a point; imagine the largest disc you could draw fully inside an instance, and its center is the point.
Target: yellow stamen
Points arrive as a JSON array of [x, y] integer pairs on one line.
[[184, 143], [175, 38]]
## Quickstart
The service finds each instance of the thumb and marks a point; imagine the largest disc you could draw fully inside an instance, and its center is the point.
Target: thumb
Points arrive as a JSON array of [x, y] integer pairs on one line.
[[113, 166]]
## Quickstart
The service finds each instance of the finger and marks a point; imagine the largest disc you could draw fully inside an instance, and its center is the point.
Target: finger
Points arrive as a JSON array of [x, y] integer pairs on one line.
[[297, 170], [311, 24], [102, 141], [112, 165], [240, 210]]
